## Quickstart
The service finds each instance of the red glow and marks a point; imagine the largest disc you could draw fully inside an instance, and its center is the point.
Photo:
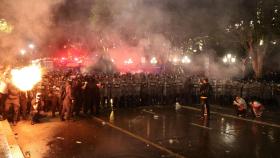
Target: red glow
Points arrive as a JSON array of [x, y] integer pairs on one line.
[[126, 59], [71, 53]]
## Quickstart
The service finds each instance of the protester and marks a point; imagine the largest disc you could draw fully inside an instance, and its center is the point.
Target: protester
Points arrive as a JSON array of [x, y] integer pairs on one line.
[[257, 108], [240, 105], [37, 109], [205, 93]]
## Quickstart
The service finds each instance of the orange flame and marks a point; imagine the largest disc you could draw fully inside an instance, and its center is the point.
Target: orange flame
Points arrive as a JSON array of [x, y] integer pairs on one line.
[[27, 77]]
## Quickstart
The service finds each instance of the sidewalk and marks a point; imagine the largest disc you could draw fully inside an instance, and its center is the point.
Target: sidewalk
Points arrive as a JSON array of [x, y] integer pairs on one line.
[[9, 147]]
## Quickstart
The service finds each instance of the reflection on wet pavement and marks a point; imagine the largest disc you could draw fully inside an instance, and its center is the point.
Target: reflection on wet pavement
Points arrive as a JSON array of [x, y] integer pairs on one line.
[[85, 138], [156, 131], [184, 133]]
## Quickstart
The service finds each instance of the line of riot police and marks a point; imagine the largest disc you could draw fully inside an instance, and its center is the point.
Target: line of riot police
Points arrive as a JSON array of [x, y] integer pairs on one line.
[[70, 93], [224, 91], [140, 89]]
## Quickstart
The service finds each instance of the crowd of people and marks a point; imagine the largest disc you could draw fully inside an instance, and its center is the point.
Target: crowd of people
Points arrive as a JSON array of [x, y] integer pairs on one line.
[[71, 93]]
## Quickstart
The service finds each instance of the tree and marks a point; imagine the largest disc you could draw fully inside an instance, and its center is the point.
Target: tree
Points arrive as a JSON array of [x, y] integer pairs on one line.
[[257, 32]]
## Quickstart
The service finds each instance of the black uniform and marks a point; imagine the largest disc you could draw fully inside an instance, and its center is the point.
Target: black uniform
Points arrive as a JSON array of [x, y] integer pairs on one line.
[[205, 93], [12, 101], [96, 97], [77, 94], [23, 104]]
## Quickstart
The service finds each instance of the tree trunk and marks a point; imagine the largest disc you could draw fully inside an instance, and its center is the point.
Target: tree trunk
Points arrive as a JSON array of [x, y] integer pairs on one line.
[[259, 60], [257, 56]]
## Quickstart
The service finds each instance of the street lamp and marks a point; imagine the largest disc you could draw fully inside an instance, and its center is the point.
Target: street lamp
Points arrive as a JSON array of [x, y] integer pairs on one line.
[[229, 56], [154, 61], [129, 61], [31, 46], [233, 60], [261, 42], [229, 59], [22, 51], [186, 59], [175, 60]]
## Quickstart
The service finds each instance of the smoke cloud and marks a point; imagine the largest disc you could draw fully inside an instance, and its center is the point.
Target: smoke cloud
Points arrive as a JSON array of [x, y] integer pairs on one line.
[[32, 21], [115, 29]]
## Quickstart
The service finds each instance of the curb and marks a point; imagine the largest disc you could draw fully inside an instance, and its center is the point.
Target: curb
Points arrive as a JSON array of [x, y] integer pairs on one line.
[[9, 147]]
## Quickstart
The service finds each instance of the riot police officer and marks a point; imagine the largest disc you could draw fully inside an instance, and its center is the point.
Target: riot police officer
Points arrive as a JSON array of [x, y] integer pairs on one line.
[[67, 102], [12, 101]]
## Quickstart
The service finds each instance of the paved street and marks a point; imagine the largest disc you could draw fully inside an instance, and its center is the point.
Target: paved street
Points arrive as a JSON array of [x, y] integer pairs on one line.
[[151, 132]]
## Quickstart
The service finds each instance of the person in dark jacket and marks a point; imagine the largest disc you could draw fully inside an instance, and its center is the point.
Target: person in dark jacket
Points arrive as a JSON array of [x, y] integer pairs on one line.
[[12, 101], [37, 106], [205, 93]]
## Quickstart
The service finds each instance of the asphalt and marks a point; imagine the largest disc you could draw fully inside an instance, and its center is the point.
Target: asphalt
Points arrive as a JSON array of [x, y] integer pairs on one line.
[[224, 135], [153, 131], [83, 138]]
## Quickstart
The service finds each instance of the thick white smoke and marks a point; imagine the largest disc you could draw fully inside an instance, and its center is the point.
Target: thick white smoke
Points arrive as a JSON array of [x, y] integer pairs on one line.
[[119, 29], [32, 21]]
